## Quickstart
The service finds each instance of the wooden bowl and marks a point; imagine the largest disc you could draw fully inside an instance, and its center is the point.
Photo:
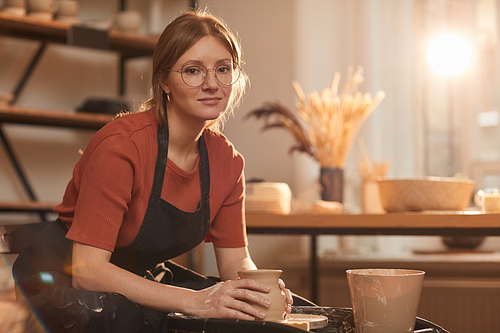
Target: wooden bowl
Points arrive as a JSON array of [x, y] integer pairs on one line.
[[426, 193]]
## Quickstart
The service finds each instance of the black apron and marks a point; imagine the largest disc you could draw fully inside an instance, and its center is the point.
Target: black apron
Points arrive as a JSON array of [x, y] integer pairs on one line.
[[43, 270]]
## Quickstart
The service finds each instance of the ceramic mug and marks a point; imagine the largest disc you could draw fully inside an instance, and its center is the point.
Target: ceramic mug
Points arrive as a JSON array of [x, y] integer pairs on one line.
[[127, 21], [385, 300], [277, 309]]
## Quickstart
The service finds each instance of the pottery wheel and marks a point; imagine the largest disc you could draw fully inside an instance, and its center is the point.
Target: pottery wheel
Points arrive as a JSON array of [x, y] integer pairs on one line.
[[315, 321]]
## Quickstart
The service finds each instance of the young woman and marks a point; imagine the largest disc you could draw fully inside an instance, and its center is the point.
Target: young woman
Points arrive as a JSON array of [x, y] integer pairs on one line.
[[150, 186]]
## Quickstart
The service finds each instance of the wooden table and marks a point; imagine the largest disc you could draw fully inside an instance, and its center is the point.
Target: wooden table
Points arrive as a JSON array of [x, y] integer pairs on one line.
[[427, 223]]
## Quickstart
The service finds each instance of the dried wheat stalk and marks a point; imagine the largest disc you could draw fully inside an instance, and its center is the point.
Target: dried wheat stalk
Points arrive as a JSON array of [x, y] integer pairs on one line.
[[332, 120]]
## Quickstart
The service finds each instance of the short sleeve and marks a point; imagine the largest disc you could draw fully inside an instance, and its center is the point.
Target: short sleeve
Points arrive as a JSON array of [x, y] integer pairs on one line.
[[106, 188], [227, 196]]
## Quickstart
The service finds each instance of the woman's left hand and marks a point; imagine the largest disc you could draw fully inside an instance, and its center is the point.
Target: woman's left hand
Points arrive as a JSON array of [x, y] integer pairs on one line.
[[288, 294]]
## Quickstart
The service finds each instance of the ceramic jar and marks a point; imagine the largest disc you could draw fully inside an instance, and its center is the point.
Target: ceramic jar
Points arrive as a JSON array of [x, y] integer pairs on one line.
[[14, 7], [128, 21], [270, 277], [42, 9]]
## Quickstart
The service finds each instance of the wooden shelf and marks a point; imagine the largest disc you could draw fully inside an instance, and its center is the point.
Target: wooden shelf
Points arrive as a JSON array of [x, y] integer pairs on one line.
[[71, 119], [129, 45], [27, 206]]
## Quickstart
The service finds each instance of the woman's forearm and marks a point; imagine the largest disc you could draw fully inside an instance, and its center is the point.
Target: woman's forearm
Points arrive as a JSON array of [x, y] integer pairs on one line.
[[98, 274], [232, 260]]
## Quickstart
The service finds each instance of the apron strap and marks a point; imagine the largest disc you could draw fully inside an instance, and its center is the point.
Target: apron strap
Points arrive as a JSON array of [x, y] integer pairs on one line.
[[204, 168], [161, 160], [161, 163]]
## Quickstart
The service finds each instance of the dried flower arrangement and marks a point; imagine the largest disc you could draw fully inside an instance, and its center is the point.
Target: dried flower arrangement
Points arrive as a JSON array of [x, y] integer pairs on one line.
[[332, 119]]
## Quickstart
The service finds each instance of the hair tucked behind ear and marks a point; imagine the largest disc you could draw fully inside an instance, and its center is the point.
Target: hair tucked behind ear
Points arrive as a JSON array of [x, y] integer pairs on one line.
[[176, 39]]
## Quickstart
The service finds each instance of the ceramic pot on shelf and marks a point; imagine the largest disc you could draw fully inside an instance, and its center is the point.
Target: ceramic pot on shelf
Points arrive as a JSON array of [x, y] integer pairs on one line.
[[42, 9], [128, 21], [68, 12], [14, 7]]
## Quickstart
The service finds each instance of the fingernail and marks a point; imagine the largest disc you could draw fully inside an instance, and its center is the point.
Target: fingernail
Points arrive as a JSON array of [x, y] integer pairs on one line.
[[262, 314], [267, 302]]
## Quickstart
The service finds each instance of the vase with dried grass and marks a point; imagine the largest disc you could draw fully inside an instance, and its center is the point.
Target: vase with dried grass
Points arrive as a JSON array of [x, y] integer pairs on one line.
[[327, 124]]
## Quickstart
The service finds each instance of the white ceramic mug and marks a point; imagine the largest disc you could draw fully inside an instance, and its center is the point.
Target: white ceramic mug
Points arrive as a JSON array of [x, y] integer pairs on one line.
[[127, 21], [385, 300]]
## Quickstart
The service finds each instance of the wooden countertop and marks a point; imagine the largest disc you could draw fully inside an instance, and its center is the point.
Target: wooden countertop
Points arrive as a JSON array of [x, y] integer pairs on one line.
[[407, 223]]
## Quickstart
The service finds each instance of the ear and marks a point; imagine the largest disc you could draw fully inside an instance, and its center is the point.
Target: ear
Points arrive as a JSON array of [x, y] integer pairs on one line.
[[165, 88]]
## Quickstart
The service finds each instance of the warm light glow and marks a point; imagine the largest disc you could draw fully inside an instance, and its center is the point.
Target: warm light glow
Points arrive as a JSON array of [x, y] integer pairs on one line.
[[450, 54]]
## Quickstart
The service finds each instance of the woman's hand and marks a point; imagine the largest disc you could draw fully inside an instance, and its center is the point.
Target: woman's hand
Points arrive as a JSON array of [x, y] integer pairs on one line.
[[288, 294], [230, 299]]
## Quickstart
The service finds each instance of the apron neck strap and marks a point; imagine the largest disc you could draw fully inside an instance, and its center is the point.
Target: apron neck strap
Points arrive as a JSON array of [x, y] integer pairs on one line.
[[161, 162]]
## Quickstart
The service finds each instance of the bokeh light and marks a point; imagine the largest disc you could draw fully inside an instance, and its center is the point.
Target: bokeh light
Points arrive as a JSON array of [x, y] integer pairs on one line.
[[450, 54]]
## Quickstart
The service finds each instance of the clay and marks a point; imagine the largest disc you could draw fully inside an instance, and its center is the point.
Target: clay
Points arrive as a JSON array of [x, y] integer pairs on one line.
[[270, 277], [385, 300]]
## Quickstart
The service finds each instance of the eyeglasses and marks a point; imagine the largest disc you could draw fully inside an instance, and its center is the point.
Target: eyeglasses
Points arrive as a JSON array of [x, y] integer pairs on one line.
[[194, 75]]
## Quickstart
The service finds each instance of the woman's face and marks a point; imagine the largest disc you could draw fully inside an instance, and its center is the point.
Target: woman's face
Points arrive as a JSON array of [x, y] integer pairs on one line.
[[210, 99]]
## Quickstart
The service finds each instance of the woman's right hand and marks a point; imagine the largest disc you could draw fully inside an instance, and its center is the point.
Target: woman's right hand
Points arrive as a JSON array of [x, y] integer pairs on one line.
[[230, 299]]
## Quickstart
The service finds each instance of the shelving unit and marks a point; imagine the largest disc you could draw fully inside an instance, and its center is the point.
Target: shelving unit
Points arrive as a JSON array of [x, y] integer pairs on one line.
[[126, 45], [47, 32]]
